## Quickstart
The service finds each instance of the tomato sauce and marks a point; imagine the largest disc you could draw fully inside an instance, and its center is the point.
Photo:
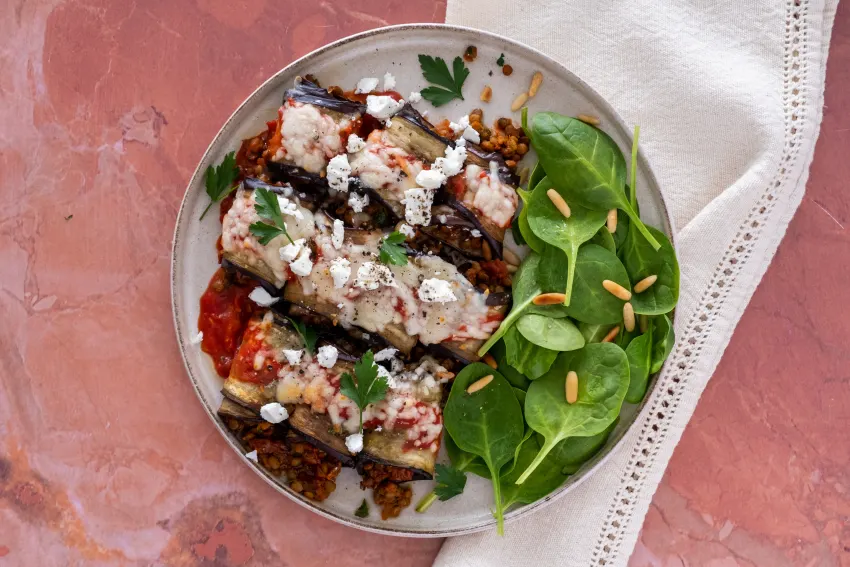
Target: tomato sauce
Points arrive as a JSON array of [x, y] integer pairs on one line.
[[255, 361], [225, 311]]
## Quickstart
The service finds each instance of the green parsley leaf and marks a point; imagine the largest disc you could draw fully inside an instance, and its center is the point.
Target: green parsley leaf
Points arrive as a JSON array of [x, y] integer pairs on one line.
[[450, 482], [220, 180], [362, 510], [391, 250], [368, 389], [268, 207], [501, 60], [435, 70], [69, 217], [307, 334]]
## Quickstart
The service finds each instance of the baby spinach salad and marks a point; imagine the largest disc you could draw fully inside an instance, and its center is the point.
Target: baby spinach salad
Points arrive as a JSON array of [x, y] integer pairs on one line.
[[509, 421]]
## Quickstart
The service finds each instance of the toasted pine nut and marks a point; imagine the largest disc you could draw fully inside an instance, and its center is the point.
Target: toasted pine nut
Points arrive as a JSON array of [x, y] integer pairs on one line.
[[549, 299], [519, 102], [643, 321], [479, 384], [571, 387], [645, 283], [629, 316], [486, 94], [616, 290], [588, 119], [559, 202], [490, 361], [511, 268], [611, 223], [510, 257], [612, 334], [536, 81]]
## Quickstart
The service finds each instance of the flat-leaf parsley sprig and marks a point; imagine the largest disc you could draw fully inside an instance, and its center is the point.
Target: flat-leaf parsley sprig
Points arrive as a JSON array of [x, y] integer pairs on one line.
[[268, 207], [392, 252], [307, 334], [369, 388], [221, 180], [436, 71], [450, 483]]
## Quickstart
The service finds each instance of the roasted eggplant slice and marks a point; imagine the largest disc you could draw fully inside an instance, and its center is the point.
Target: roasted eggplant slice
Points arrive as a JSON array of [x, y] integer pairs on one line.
[[389, 448], [318, 430], [230, 409]]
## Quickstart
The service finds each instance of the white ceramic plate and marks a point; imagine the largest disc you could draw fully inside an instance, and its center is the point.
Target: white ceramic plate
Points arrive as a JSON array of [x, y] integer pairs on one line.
[[371, 54]]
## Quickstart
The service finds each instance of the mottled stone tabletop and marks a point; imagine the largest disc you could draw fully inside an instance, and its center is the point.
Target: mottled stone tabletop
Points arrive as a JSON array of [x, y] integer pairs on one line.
[[106, 457]]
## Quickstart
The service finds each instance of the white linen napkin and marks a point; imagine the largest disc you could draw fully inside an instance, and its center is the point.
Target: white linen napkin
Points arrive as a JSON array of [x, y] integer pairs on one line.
[[729, 98]]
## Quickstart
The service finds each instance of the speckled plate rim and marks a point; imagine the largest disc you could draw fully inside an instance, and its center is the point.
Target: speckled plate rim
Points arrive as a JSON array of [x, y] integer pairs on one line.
[[611, 446]]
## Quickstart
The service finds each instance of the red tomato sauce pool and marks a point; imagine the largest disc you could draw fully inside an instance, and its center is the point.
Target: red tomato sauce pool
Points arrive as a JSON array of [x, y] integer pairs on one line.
[[225, 311]]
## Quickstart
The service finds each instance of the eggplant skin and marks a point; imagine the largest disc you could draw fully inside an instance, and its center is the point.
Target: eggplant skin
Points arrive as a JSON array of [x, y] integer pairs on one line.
[[231, 409], [318, 430], [308, 92], [387, 448]]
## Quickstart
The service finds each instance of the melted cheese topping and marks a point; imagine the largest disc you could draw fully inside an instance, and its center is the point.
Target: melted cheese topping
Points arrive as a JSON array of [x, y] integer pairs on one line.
[[385, 168], [236, 237], [489, 196], [309, 137]]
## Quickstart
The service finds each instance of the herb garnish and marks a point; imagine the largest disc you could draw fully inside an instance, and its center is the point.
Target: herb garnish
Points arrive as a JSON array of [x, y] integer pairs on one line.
[[268, 207], [501, 60], [69, 217], [362, 510], [450, 482], [368, 389], [436, 71], [391, 250], [220, 180], [307, 334]]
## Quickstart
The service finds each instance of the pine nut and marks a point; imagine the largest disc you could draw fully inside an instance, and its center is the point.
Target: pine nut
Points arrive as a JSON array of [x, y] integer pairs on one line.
[[643, 321], [629, 316], [588, 119], [536, 81], [510, 257], [479, 384], [571, 387], [559, 202], [549, 299], [612, 334], [645, 283], [519, 102], [611, 223], [617, 290], [486, 94], [511, 268], [490, 361]]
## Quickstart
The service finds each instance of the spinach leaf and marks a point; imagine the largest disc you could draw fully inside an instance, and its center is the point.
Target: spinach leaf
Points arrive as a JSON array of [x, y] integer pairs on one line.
[[527, 357], [557, 311], [622, 231], [532, 240], [639, 353], [487, 423], [592, 302], [554, 334], [641, 261], [517, 233], [605, 239], [663, 340], [525, 288], [593, 333], [584, 163], [537, 174], [573, 452], [464, 461], [517, 379], [603, 379], [520, 397], [545, 479], [568, 234]]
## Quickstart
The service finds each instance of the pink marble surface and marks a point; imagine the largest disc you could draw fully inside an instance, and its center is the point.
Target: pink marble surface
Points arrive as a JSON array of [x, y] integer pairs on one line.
[[106, 458]]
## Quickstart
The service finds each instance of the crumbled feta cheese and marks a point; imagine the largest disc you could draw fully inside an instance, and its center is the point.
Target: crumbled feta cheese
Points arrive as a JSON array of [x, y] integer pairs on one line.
[[293, 357], [494, 171], [435, 290], [340, 305], [382, 107], [388, 122], [453, 161], [340, 272], [273, 412], [460, 125], [379, 429], [288, 207], [383, 373], [475, 233], [252, 456], [354, 442], [303, 265], [415, 97], [338, 172], [196, 340], [460, 142], [371, 276], [355, 144], [407, 230], [430, 178], [262, 298], [338, 234], [289, 252], [417, 205], [366, 85], [470, 134], [358, 202], [389, 82], [442, 219], [327, 356], [385, 354]]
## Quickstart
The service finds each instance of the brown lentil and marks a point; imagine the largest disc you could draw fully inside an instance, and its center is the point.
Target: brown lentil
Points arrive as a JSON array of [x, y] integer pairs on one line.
[[470, 54], [507, 70]]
